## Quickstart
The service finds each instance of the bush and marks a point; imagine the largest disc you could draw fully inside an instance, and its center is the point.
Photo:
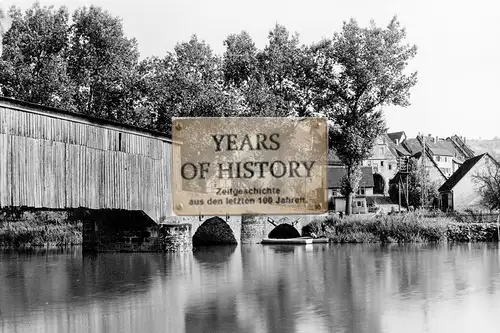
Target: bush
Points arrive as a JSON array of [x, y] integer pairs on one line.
[[38, 228], [411, 227]]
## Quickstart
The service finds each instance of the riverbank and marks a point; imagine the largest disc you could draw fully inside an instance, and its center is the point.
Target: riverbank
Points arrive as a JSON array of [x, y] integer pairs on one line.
[[28, 228], [410, 228], [35, 228]]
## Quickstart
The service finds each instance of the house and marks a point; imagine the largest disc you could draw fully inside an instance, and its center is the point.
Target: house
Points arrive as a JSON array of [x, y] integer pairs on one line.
[[460, 191], [384, 161], [440, 154], [337, 200], [436, 175], [397, 137], [447, 154], [461, 151]]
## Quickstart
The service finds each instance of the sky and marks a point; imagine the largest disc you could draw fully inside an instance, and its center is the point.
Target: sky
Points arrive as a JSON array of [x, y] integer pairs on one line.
[[458, 46]]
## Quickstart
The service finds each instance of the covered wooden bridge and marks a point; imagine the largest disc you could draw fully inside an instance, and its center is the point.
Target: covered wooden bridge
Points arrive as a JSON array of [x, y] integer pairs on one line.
[[57, 160], [54, 159]]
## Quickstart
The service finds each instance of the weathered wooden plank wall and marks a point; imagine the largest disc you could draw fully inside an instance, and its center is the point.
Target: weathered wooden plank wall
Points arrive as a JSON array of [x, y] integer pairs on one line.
[[65, 162]]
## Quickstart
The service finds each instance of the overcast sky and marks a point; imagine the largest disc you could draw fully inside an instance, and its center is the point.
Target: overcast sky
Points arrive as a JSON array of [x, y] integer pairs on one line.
[[458, 59]]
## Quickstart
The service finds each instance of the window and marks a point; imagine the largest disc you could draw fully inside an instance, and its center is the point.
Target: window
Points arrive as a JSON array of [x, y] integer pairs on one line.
[[119, 142], [358, 203], [446, 159], [390, 166], [438, 158], [381, 163], [381, 150]]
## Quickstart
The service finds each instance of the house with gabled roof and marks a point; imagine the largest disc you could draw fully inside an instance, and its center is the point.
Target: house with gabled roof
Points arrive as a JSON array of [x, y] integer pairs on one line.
[[460, 191], [436, 175], [397, 137], [461, 150], [337, 200], [448, 154], [439, 154], [384, 161]]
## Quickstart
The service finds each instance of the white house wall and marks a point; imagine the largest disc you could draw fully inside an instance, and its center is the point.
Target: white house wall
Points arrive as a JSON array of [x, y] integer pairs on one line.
[[465, 194]]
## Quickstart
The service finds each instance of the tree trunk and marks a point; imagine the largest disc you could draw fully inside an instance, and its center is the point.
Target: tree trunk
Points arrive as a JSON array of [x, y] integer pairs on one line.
[[348, 203], [350, 193]]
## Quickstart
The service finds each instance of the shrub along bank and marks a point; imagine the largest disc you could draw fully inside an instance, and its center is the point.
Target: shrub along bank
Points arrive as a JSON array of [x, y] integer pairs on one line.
[[400, 229], [61, 228], [38, 228]]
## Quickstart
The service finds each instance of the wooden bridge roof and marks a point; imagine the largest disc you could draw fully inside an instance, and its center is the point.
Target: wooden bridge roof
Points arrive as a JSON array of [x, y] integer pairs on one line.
[[74, 116]]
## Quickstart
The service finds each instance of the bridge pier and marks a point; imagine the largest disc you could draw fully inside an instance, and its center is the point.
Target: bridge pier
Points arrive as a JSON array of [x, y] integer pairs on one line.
[[115, 230], [175, 237]]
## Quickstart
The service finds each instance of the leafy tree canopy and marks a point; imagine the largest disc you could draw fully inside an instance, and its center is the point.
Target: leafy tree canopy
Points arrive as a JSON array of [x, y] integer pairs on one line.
[[90, 66]]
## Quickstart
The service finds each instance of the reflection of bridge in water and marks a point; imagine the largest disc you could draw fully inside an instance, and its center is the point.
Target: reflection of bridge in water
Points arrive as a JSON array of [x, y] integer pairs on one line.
[[57, 160], [252, 288]]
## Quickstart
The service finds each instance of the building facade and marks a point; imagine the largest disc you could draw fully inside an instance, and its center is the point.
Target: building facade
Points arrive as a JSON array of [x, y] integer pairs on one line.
[[460, 191], [336, 200]]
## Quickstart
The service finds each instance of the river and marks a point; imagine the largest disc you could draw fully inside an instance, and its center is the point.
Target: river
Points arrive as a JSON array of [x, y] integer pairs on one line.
[[254, 288]]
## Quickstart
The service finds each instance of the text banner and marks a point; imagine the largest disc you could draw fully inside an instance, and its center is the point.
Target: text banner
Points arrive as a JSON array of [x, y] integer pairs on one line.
[[249, 165]]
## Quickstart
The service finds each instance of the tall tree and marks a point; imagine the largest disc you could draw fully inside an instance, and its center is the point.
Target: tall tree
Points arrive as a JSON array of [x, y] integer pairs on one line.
[[33, 63], [2, 28], [239, 59], [280, 66], [102, 64], [418, 181], [188, 82], [272, 81], [360, 71]]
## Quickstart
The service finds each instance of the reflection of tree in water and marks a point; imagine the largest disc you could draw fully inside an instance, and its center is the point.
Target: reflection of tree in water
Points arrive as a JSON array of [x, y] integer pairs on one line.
[[218, 315], [343, 287], [75, 276], [278, 304], [273, 304], [109, 273]]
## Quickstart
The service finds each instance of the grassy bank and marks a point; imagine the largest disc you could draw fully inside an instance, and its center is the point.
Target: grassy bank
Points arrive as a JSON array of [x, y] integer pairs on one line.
[[38, 228], [410, 228]]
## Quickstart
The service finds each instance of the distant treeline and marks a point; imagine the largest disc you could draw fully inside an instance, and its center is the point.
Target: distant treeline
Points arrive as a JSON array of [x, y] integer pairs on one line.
[[490, 146]]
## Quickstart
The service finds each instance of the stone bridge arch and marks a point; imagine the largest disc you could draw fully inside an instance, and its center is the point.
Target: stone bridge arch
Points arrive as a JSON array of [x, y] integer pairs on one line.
[[214, 231], [233, 222]]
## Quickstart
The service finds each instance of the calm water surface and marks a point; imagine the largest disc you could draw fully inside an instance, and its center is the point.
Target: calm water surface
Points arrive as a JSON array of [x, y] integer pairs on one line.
[[255, 288]]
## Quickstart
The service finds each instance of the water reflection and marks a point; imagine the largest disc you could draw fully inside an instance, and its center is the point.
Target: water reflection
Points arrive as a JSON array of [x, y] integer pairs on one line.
[[254, 288]]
